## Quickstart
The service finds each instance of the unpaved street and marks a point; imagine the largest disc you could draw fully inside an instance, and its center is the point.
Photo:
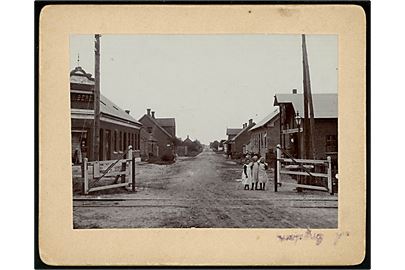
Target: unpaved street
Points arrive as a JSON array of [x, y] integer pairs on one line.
[[202, 192]]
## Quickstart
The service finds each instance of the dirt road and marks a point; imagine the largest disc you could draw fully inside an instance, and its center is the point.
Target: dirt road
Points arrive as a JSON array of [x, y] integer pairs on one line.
[[203, 192]]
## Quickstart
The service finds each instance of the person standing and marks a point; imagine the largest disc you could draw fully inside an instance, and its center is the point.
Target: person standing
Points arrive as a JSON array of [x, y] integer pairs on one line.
[[255, 172], [263, 174], [246, 174]]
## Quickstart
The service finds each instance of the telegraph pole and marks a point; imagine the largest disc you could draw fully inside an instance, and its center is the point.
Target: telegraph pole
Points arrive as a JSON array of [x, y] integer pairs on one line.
[[96, 131], [309, 123]]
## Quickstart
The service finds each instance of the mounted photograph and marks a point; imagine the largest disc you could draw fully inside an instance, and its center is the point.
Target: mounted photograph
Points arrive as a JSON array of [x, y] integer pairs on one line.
[[204, 131]]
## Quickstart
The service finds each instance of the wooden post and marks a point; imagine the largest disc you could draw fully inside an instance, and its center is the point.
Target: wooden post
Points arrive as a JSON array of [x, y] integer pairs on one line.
[[96, 131], [133, 173], [309, 124], [330, 187], [86, 177], [275, 175], [277, 168], [130, 157]]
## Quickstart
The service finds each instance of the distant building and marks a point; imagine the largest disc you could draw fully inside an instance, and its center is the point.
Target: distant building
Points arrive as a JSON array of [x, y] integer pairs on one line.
[[231, 133], [265, 136], [239, 143], [118, 129], [183, 148], [221, 145], [325, 119], [160, 143]]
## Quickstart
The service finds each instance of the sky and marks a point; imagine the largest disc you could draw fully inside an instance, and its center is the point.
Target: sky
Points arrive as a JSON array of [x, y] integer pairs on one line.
[[206, 82]]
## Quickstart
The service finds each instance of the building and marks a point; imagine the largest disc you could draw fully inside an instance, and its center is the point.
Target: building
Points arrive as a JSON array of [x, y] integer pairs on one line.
[[183, 148], [325, 120], [231, 133], [265, 136], [239, 143], [158, 137], [118, 129]]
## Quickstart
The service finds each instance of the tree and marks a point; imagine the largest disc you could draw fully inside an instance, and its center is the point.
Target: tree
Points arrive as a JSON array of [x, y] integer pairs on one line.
[[215, 145]]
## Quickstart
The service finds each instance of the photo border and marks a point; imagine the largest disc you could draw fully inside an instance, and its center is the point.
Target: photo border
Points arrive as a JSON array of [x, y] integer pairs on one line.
[[39, 5]]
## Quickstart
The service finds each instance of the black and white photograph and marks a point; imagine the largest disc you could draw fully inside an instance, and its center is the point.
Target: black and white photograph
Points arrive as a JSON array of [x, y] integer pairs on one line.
[[204, 131]]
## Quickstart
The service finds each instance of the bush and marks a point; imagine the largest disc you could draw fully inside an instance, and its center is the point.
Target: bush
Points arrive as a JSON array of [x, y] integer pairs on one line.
[[168, 157]]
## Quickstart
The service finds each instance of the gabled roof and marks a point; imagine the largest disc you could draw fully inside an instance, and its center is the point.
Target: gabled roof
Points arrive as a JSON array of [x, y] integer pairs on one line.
[[243, 131], [153, 120], [166, 122], [109, 108], [273, 115], [325, 105], [233, 131], [187, 141]]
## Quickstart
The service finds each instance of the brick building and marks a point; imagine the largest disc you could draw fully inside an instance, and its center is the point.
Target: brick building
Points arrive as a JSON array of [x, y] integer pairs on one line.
[[325, 119], [238, 143], [118, 129], [231, 133], [265, 136], [158, 136]]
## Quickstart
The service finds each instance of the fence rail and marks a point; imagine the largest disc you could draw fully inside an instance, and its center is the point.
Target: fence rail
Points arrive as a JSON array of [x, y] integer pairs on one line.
[[122, 169], [302, 164]]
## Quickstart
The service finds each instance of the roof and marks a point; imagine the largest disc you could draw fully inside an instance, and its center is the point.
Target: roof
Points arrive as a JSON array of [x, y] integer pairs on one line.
[[325, 105], [109, 108], [166, 122], [153, 120], [187, 141], [79, 76], [265, 120], [233, 131], [242, 131]]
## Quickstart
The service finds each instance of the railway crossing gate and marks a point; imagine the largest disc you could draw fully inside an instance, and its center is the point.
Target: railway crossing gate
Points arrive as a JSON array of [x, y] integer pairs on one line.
[[304, 168], [120, 172]]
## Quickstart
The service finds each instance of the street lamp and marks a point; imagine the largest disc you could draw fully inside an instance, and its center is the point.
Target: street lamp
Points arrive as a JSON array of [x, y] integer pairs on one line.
[[298, 120]]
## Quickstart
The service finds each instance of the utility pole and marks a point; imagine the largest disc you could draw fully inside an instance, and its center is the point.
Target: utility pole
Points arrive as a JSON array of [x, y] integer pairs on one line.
[[309, 123], [96, 131]]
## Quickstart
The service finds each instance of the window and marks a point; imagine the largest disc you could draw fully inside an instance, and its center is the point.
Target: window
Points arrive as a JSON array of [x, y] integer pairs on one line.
[[120, 142], [331, 143], [265, 139], [81, 97], [125, 142], [115, 141], [149, 129]]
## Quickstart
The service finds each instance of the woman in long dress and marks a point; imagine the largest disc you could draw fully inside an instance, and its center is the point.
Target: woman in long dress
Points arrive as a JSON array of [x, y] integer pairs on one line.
[[263, 178], [246, 174]]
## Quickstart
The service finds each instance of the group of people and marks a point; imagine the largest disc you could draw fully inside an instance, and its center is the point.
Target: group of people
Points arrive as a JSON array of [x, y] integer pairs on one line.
[[254, 175]]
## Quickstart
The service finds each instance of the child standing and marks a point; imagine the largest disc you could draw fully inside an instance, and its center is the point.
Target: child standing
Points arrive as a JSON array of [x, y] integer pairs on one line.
[[263, 174], [246, 174], [255, 172]]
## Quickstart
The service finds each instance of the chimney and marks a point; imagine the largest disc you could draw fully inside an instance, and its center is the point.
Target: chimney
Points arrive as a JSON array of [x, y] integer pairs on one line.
[[244, 125], [294, 91], [148, 111], [250, 122], [153, 115], [127, 111]]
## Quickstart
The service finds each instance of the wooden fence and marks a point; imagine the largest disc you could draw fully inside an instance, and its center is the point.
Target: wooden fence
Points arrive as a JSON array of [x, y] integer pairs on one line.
[[303, 167], [122, 169]]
